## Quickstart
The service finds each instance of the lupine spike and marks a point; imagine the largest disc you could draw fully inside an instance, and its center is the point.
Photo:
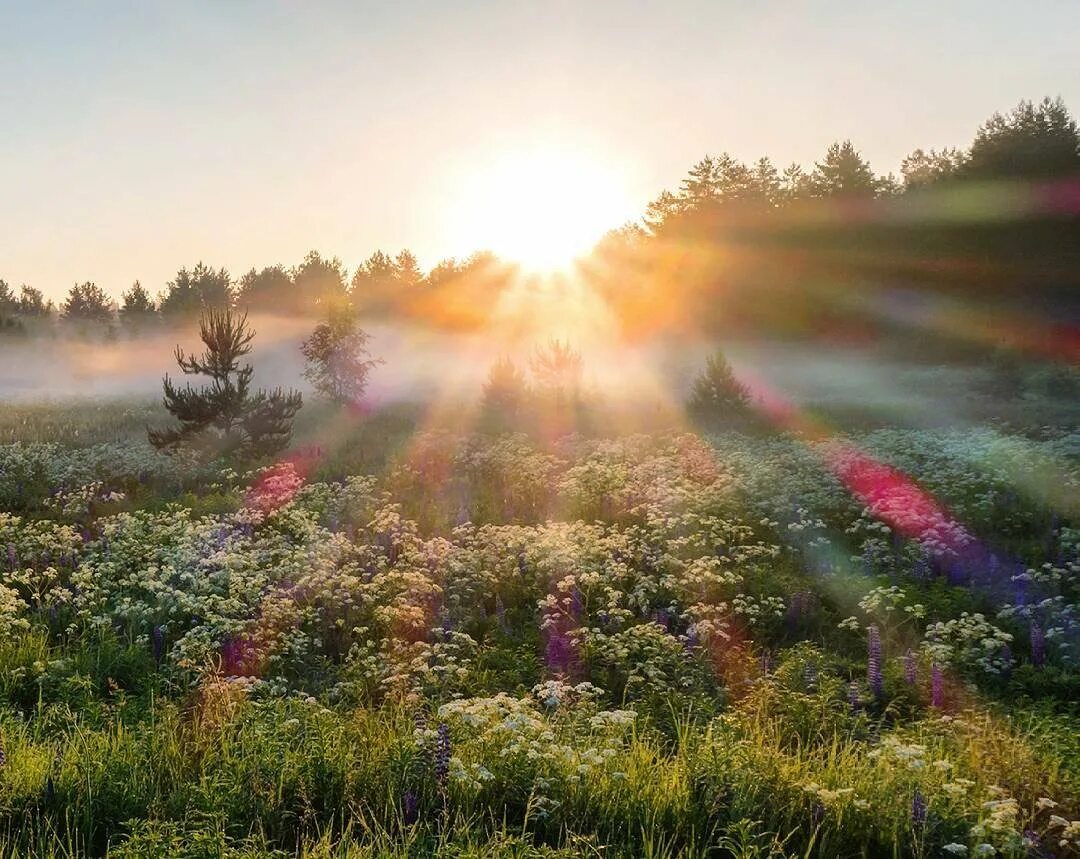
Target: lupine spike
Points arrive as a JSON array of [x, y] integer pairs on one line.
[[911, 666], [1038, 645], [937, 687], [442, 755], [410, 808], [873, 662], [918, 809]]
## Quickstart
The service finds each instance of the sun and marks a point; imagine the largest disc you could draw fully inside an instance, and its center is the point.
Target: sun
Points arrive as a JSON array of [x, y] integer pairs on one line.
[[540, 207]]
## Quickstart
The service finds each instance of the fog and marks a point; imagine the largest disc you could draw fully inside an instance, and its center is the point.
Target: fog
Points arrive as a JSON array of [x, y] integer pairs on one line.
[[422, 363]]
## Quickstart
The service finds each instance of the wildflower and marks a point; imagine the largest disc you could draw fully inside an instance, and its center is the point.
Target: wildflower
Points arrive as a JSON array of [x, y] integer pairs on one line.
[[157, 643], [1038, 645], [873, 662], [442, 755], [854, 700], [956, 849], [918, 809], [910, 667], [410, 808], [937, 687]]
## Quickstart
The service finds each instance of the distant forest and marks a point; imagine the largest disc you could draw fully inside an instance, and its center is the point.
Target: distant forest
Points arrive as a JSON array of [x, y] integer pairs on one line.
[[736, 247]]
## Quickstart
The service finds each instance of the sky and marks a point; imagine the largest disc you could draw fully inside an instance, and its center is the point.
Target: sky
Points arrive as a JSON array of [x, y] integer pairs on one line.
[[136, 137]]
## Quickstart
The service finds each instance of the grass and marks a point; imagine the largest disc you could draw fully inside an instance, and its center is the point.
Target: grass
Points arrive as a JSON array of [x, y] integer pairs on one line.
[[618, 645]]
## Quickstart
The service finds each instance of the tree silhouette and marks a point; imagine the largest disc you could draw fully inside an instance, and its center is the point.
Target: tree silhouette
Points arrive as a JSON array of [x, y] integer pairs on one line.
[[194, 291], [921, 169], [1032, 141], [270, 288], [137, 305], [842, 172], [87, 302], [557, 368], [504, 396], [338, 362], [9, 304], [32, 302], [716, 393], [224, 418], [319, 283]]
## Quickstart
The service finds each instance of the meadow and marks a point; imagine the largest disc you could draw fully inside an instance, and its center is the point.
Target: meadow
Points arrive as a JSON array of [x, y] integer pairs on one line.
[[407, 638]]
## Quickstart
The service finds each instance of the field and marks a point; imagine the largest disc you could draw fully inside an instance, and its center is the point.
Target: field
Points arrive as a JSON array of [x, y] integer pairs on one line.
[[406, 638]]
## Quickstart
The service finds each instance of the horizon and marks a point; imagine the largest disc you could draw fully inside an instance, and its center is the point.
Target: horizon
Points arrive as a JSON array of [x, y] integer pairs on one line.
[[139, 140]]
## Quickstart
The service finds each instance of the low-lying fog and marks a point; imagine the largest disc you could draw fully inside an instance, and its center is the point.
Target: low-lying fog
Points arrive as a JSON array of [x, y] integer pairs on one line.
[[421, 362]]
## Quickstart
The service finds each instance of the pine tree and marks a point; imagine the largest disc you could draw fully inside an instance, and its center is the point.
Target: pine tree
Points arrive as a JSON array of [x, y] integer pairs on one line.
[[137, 304], [504, 396], [225, 418], [716, 393], [87, 301]]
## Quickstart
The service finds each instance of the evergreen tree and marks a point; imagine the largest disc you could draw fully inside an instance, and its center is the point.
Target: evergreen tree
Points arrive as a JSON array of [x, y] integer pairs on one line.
[[9, 304], [87, 302], [225, 418], [921, 169], [196, 290], [407, 271], [338, 362], [557, 368], [136, 305], [319, 283], [716, 394], [1032, 141], [843, 172], [270, 289], [32, 302], [504, 396]]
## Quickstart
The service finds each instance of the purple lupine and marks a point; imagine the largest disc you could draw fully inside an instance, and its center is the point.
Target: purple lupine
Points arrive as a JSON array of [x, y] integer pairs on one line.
[[853, 696], [576, 603], [817, 814], [795, 610], [1038, 645], [692, 638], [410, 808], [12, 556], [937, 687], [873, 662], [559, 651], [911, 667], [661, 617], [157, 643], [500, 613], [918, 809], [1020, 589], [442, 755]]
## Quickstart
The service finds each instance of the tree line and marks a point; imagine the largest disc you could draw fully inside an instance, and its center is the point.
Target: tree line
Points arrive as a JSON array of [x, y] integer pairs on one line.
[[742, 246], [381, 285], [998, 216]]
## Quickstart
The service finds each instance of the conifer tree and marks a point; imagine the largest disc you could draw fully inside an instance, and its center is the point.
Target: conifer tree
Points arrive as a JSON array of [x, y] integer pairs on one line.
[[225, 418]]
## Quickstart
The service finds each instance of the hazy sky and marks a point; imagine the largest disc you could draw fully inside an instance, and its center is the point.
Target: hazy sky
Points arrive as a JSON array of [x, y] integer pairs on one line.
[[139, 136]]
